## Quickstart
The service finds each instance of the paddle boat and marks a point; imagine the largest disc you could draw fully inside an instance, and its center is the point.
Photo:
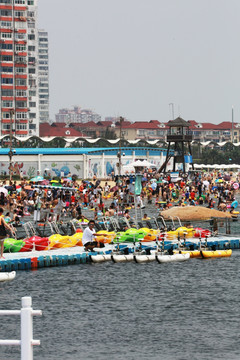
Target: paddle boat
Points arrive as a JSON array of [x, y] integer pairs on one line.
[[206, 254], [164, 258]]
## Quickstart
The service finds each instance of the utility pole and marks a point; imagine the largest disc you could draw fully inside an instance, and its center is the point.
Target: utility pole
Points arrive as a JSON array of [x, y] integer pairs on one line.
[[119, 155], [172, 105], [10, 153]]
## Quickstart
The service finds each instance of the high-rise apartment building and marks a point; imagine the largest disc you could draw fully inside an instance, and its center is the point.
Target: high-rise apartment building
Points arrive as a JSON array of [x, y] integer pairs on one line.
[[18, 68], [76, 115], [43, 76]]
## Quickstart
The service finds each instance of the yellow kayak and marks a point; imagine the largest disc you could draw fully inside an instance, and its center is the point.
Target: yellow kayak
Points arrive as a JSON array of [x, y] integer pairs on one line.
[[216, 253]]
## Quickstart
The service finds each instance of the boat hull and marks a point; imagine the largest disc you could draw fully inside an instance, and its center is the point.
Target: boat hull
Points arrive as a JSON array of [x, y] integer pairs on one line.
[[7, 276], [216, 253], [172, 258]]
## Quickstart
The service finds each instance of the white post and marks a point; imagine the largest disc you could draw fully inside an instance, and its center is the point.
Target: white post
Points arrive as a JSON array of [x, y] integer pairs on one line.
[[26, 341], [26, 329], [39, 164], [103, 168]]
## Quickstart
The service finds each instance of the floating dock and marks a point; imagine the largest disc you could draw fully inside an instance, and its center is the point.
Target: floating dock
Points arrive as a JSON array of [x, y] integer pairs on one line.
[[77, 255]]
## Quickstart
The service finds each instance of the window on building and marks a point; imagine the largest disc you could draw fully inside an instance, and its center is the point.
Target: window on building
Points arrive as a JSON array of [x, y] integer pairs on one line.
[[6, 35], [21, 104], [31, 14], [7, 80], [5, 13], [20, 70], [6, 46], [32, 115], [7, 103], [32, 93], [31, 48], [21, 82], [21, 126], [31, 70], [19, 13], [21, 93], [30, 2], [6, 92], [31, 37], [7, 69], [21, 115], [20, 36], [20, 47], [32, 126], [6, 115], [32, 104], [6, 24]]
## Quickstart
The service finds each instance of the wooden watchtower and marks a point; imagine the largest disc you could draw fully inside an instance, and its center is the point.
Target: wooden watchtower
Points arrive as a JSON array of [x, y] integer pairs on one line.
[[180, 135]]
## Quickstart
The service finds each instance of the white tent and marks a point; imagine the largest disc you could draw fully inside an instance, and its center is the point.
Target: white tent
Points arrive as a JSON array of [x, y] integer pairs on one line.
[[143, 163]]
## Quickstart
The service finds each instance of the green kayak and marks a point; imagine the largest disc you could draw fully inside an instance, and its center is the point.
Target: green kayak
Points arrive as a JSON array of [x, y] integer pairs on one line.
[[13, 245]]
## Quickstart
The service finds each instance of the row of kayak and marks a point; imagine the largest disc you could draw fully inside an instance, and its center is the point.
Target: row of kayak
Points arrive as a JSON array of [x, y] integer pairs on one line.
[[131, 235]]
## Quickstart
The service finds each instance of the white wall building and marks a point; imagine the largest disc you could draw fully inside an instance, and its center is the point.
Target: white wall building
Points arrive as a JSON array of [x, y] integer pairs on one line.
[[43, 76]]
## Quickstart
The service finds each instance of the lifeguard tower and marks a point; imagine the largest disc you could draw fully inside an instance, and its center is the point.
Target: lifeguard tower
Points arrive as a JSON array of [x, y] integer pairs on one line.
[[180, 135]]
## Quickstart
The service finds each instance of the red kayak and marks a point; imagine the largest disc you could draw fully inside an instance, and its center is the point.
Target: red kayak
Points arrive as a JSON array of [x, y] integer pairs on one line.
[[35, 241], [202, 232]]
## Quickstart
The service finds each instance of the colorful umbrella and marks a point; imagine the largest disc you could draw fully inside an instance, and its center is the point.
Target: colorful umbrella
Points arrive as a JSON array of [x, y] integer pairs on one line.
[[3, 190], [37, 179]]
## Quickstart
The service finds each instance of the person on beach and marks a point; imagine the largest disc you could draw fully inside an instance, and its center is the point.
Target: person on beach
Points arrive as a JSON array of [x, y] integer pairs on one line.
[[88, 239], [3, 231]]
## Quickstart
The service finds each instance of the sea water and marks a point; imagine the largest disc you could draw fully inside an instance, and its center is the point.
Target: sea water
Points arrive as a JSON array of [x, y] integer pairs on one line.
[[185, 311], [169, 311]]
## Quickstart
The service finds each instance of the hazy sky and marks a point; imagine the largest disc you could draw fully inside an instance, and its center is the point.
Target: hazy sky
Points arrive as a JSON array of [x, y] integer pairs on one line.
[[135, 57]]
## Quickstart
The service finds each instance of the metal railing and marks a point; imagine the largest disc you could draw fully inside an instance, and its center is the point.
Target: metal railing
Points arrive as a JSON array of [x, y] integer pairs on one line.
[[26, 313]]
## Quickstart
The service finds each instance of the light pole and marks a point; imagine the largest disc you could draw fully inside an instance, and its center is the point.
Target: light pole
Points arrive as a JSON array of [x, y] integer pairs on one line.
[[10, 153], [119, 155], [172, 105]]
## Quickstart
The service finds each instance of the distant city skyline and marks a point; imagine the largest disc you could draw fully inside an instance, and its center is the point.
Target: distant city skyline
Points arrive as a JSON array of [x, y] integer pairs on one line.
[[136, 58]]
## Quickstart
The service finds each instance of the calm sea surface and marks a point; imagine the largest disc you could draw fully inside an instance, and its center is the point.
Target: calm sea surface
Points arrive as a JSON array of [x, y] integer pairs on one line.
[[130, 311], [185, 311]]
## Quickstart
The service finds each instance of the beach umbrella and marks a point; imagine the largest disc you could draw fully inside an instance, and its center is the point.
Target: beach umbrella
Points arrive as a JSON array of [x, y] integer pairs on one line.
[[227, 177], [54, 181], [55, 184], [45, 182], [235, 186], [37, 179], [3, 190]]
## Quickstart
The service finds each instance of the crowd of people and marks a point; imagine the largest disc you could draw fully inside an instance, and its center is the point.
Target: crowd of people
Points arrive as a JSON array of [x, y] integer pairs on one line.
[[73, 199], [106, 198]]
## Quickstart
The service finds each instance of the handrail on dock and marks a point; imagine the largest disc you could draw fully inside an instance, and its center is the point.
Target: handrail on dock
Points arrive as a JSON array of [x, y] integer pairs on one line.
[[26, 313]]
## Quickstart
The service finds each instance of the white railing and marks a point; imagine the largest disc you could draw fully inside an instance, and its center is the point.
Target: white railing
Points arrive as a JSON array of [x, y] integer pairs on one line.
[[26, 341]]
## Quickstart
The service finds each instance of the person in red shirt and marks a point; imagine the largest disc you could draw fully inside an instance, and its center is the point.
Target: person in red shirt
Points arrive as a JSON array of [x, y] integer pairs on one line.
[[192, 195]]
